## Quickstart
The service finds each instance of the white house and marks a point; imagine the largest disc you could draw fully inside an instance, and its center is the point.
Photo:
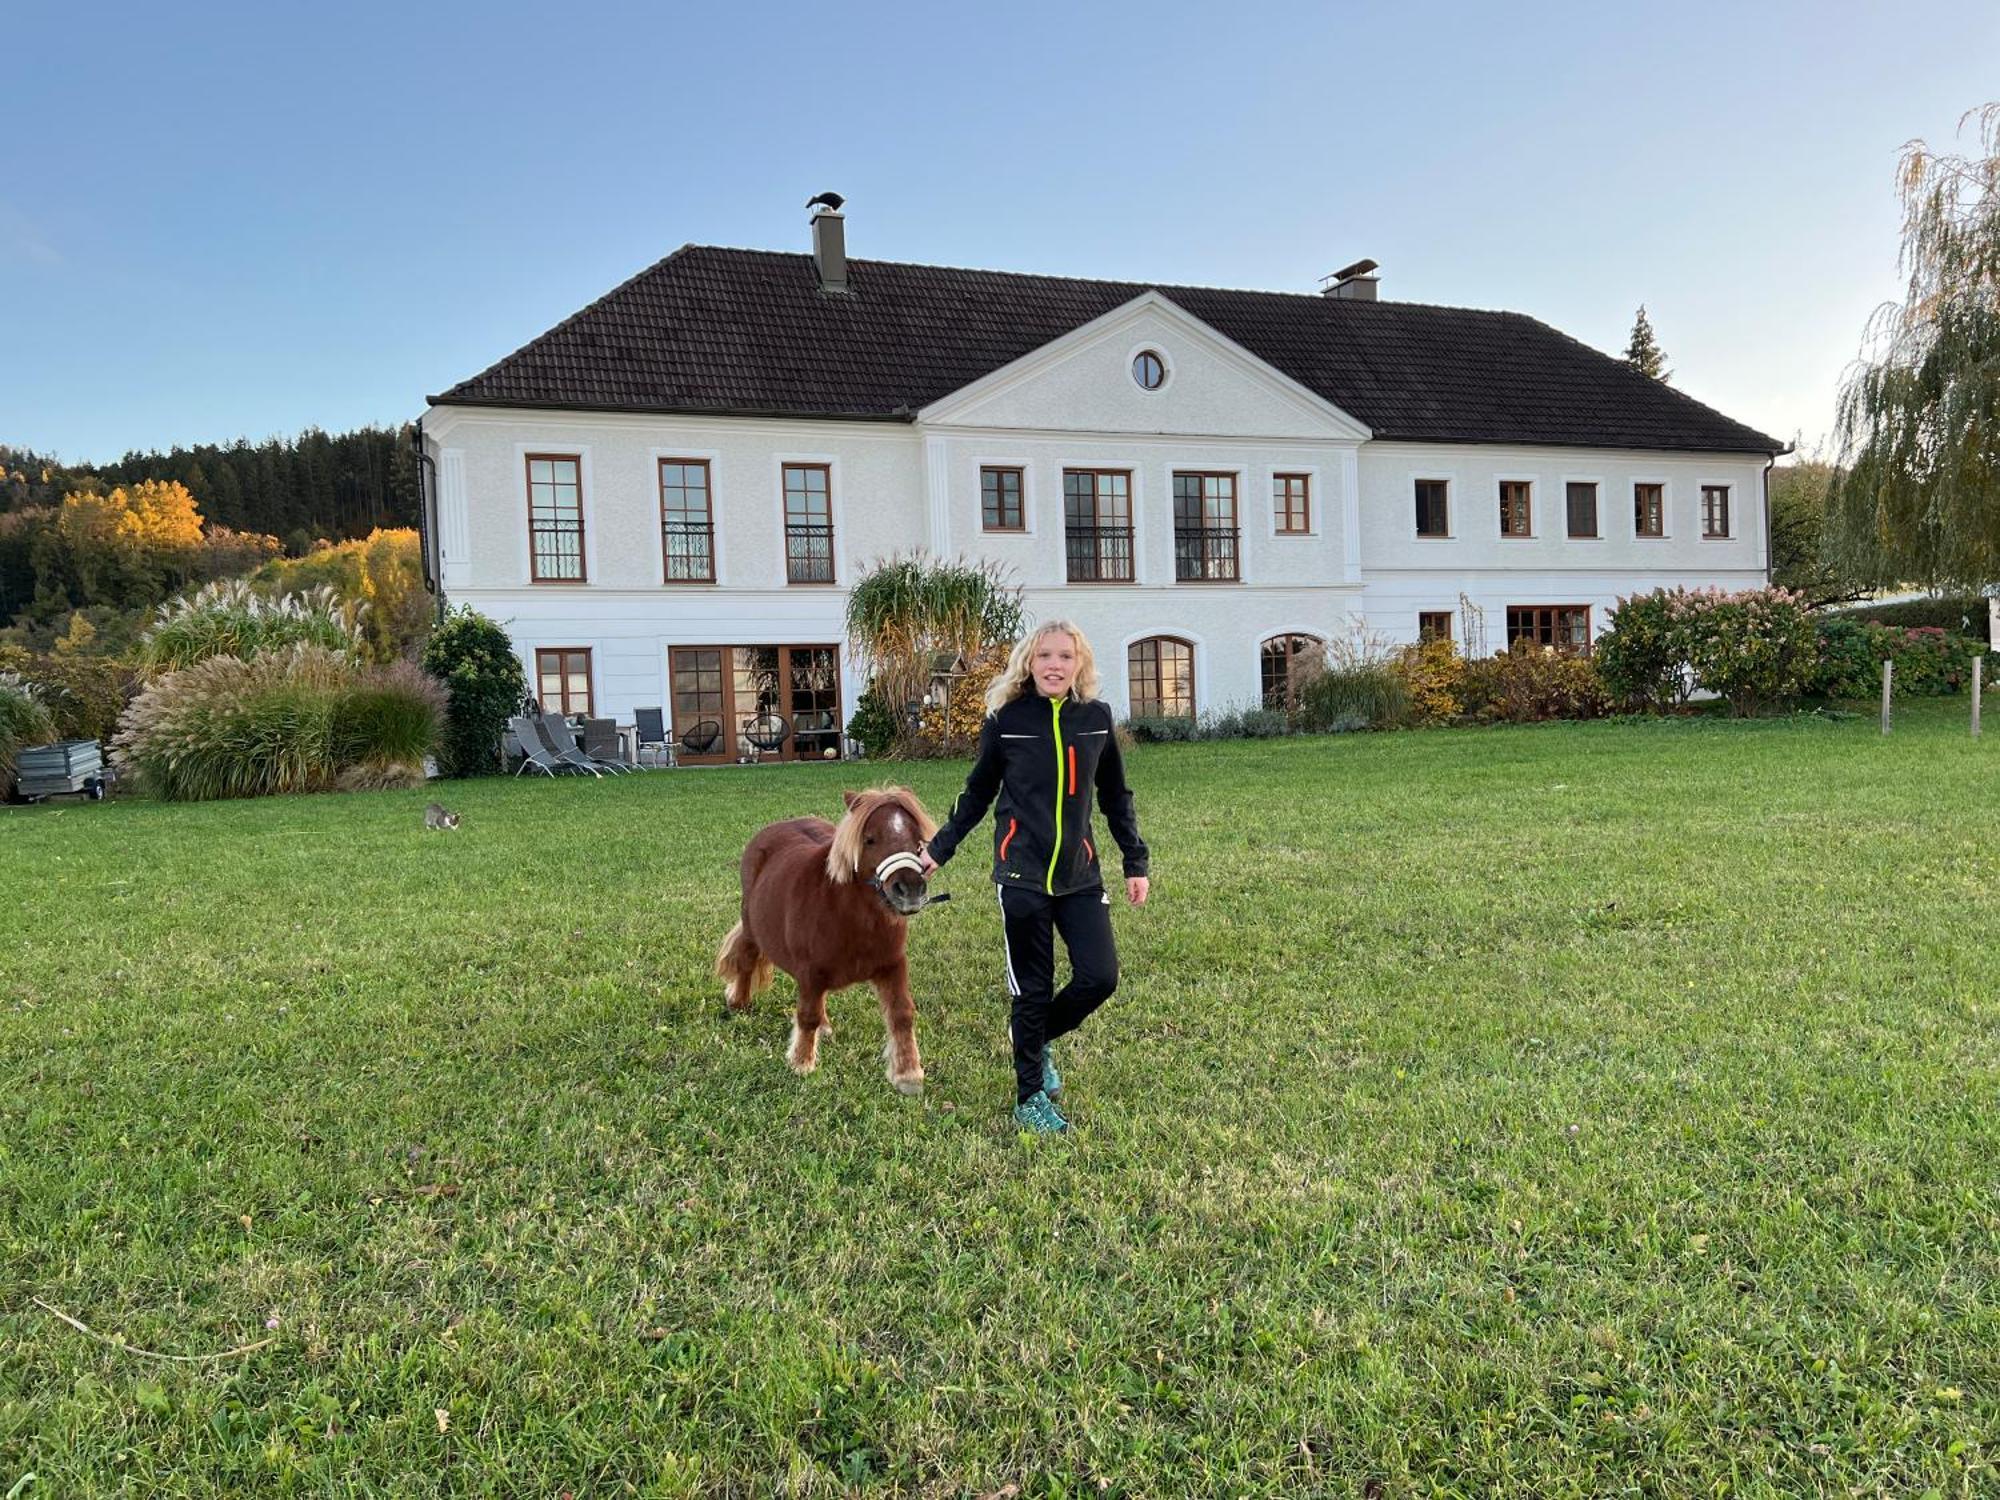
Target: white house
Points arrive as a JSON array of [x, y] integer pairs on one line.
[[664, 496]]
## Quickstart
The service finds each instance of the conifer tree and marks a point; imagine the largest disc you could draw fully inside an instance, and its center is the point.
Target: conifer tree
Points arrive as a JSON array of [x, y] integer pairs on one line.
[[1643, 352]]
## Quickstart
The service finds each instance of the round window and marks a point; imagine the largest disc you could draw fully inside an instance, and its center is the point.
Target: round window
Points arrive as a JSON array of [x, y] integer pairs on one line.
[[1149, 370]]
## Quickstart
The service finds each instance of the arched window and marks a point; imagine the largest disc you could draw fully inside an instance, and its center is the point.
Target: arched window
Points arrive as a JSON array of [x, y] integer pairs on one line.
[[1161, 673], [1278, 661]]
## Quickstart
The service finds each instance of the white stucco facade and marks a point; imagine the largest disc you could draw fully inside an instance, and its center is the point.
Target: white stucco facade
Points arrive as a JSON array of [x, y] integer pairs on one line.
[[1072, 405]]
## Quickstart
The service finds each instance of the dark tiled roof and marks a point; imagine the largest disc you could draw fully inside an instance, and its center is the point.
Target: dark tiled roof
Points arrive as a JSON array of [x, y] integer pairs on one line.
[[749, 332]]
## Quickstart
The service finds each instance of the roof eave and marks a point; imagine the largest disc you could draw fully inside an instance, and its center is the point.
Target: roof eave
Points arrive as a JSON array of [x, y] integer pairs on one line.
[[905, 415]]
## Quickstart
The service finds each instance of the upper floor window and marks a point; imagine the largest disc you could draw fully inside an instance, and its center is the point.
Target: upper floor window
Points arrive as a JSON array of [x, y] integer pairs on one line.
[[1161, 673], [687, 522], [1516, 508], [1279, 663], [1291, 499], [1649, 510], [808, 524], [562, 680], [1000, 500], [1097, 525], [1582, 500], [1715, 510], [555, 518], [1149, 370], [1566, 627], [1205, 535], [1433, 508]]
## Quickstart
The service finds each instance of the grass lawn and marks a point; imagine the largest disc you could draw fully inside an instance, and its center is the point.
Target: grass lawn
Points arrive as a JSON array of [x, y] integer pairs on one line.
[[1578, 1110]]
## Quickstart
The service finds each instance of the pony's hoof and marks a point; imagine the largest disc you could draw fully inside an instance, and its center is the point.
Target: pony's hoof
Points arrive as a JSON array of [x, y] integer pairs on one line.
[[825, 1032], [909, 1087], [802, 1056]]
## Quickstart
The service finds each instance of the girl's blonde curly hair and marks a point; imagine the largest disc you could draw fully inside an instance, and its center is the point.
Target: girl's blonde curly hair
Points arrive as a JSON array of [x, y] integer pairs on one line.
[[1012, 681]]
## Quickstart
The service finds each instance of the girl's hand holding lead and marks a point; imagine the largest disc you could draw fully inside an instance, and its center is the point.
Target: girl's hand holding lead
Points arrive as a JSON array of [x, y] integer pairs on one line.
[[1136, 887], [930, 865]]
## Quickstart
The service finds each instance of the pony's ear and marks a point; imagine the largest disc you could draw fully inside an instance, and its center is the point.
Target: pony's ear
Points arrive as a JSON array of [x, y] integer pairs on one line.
[[850, 798]]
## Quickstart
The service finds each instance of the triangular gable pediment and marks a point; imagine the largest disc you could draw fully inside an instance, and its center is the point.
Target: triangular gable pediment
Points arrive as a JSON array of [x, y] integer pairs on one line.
[[1083, 382]]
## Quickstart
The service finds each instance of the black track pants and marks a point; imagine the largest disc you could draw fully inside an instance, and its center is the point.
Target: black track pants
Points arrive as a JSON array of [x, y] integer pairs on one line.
[[1031, 920]]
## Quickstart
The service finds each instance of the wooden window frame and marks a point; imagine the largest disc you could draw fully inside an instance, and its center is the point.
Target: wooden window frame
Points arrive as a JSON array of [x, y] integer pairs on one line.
[[589, 709], [1418, 516], [1290, 654], [708, 490], [732, 716], [1281, 501], [1130, 526], [1596, 532], [785, 471], [1234, 528], [1527, 486], [1433, 635], [1554, 611], [528, 462], [1639, 531], [1159, 680], [1020, 525], [1727, 491]]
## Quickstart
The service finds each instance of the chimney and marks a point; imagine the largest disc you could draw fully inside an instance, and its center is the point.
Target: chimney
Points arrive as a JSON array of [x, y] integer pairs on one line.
[[829, 227], [1355, 283]]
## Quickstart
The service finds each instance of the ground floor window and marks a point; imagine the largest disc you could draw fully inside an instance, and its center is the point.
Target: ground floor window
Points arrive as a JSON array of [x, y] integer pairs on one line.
[[1160, 670], [1563, 626], [1279, 663], [762, 702], [562, 680], [1433, 625]]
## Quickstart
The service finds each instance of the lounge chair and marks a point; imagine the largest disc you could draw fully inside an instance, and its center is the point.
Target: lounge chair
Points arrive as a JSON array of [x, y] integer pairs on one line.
[[561, 740], [522, 729]]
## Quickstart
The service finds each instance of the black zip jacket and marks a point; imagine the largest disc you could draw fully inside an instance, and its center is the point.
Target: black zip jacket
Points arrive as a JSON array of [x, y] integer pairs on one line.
[[1046, 759]]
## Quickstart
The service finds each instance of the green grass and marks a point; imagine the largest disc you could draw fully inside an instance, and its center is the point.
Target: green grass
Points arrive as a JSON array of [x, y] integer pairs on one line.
[[1578, 1110]]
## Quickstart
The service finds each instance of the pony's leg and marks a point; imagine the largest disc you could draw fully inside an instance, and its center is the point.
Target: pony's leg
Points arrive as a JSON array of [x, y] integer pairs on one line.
[[807, 1023], [899, 1014], [745, 968]]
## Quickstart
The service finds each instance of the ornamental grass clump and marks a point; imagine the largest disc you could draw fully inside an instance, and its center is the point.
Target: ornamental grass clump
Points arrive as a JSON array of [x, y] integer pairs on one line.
[[300, 719], [24, 721], [1348, 685], [230, 618]]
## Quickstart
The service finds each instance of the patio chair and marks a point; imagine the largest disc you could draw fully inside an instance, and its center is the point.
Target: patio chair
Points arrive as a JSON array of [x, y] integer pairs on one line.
[[703, 737], [561, 740], [766, 733], [522, 731], [651, 724], [602, 744]]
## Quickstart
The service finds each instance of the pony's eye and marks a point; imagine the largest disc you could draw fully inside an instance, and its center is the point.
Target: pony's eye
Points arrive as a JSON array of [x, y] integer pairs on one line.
[[869, 840]]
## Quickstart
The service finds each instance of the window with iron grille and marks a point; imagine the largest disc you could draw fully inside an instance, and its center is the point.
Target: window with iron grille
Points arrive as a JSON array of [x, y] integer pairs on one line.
[[1433, 508], [1649, 510], [1160, 671], [1097, 525], [1000, 500], [1278, 663], [687, 521], [1205, 532], [555, 518], [808, 524], [1516, 508], [1291, 498], [1715, 510], [562, 680], [1566, 627], [1582, 499], [1433, 625]]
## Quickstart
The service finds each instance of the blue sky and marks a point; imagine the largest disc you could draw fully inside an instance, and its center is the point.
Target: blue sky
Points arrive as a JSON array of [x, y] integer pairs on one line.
[[220, 220]]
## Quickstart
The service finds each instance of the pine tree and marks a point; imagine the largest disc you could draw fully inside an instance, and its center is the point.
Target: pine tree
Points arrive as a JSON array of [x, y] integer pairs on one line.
[[1643, 353]]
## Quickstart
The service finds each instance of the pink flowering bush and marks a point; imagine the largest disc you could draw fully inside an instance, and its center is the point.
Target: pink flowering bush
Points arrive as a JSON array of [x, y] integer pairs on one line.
[[1755, 648]]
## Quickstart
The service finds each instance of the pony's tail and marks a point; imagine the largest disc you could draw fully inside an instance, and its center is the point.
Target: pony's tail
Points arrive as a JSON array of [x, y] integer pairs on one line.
[[747, 970]]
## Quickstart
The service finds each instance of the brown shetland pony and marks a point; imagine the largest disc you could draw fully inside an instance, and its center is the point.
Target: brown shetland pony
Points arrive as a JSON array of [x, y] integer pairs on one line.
[[817, 904]]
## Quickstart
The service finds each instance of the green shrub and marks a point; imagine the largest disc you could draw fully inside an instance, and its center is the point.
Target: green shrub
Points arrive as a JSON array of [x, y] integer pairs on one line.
[[1961, 614], [84, 694], [1528, 684], [1930, 660], [1260, 723], [872, 723], [1643, 656], [474, 659], [1433, 675], [1755, 648], [1155, 729], [387, 724], [1355, 694], [230, 618], [25, 721]]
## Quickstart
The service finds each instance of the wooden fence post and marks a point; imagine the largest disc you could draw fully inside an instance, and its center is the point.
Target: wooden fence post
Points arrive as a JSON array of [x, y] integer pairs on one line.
[[1888, 675], [1977, 663]]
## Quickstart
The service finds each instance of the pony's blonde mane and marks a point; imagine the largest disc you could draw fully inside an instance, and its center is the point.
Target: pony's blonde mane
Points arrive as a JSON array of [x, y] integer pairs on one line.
[[843, 856], [1012, 680]]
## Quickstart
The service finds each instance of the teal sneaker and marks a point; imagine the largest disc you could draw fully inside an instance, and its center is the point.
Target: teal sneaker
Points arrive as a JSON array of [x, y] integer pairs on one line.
[[1038, 1115], [1051, 1079]]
